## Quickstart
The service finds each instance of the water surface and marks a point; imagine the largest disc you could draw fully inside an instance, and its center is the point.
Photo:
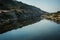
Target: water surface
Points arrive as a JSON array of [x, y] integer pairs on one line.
[[43, 30]]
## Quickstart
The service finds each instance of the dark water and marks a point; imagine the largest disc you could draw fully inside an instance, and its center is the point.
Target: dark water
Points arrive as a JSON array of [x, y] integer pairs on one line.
[[43, 30]]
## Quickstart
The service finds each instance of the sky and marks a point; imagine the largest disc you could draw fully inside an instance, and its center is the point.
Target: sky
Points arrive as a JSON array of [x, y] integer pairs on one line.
[[46, 5]]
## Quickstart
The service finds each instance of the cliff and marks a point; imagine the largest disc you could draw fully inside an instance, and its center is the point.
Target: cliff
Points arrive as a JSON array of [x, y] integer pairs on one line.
[[14, 14]]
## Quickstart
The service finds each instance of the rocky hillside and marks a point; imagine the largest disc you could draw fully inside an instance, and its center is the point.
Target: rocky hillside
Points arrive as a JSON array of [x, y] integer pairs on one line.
[[14, 14], [53, 17]]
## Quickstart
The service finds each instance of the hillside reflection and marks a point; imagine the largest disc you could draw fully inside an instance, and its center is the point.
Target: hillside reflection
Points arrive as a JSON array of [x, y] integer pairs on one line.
[[45, 29], [25, 23]]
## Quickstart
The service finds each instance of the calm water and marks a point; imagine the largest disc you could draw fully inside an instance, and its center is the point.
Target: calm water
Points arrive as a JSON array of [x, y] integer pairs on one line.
[[43, 30]]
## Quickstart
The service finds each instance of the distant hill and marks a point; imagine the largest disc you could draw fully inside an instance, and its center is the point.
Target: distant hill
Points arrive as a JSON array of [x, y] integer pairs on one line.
[[53, 16]]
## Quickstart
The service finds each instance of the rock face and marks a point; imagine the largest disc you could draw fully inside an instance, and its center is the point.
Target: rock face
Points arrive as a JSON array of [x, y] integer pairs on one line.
[[14, 14]]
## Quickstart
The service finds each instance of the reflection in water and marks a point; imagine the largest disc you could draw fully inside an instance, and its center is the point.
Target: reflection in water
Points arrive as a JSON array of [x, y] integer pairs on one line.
[[43, 30], [7, 27], [56, 21]]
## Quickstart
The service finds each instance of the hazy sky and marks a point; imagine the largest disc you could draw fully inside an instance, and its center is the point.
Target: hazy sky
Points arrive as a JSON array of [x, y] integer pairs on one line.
[[46, 5]]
